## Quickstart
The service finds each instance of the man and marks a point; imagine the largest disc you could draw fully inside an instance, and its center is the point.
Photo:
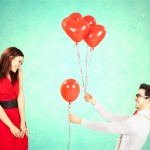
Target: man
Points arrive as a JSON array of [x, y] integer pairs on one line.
[[133, 129]]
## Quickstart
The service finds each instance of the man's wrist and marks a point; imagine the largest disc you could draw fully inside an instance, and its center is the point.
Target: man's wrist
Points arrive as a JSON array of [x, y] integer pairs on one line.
[[93, 102], [80, 120]]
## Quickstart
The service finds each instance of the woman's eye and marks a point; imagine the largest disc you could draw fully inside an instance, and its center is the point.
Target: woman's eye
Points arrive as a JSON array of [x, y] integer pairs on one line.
[[20, 62]]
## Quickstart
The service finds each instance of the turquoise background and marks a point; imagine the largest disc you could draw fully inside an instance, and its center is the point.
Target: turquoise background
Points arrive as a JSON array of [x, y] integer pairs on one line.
[[120, 63]]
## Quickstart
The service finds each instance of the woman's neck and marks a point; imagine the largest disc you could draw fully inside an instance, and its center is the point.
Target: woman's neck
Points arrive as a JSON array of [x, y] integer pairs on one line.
[[8, 76]]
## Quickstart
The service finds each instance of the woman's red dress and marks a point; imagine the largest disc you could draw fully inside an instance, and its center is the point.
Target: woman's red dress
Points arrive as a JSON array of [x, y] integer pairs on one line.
[[7, 140]]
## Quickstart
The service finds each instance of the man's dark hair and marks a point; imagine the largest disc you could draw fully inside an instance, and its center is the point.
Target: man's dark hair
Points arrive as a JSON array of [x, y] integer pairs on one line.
[[146, 87]]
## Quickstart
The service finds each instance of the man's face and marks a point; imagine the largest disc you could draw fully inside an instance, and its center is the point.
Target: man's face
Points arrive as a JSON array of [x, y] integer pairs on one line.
[[141, 100]]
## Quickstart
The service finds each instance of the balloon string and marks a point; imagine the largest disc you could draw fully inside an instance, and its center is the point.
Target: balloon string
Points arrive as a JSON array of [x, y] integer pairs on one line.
[[69, 107], [81, 70], [87, 67]]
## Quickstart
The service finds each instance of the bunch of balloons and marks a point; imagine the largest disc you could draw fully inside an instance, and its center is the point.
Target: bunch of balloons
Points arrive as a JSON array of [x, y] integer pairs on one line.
[[80, 28], [83, 28]]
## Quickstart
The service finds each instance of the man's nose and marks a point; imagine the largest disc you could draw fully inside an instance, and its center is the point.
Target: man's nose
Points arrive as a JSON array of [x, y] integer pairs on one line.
[[136, 98]]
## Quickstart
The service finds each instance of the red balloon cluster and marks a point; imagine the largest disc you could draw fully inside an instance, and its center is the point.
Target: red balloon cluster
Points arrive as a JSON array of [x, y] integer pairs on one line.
[[78, 28], [70, 90]]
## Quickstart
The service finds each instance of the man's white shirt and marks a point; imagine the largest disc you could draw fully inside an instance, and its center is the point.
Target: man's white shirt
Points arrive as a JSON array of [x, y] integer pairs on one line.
[[134, 129]]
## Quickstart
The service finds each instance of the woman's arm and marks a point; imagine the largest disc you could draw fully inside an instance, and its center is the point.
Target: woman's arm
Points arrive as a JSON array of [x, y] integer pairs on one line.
[[14, 130], [21, 104]]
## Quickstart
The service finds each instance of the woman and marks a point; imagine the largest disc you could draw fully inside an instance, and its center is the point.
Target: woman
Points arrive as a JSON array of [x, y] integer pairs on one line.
[[13, 130]]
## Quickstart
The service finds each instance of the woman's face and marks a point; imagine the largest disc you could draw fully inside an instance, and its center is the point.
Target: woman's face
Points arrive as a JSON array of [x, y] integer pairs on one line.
[[16, 63]]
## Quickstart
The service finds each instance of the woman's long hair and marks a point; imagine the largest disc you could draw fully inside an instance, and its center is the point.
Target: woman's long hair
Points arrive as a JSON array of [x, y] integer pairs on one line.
[[5, 63]]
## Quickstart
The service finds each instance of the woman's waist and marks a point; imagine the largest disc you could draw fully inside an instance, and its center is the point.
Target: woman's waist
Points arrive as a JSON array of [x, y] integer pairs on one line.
[[11, 103]]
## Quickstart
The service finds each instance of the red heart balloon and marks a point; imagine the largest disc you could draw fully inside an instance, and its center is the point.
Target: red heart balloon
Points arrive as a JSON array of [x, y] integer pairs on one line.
[[76, 30], [95, 35], [75, 16], [70, 90], [90, 19]]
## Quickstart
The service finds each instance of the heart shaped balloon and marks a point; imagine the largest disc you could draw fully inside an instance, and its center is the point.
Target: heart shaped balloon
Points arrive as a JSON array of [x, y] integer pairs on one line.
[[95, 35], [75, 16], [75, 29], [90, 19]]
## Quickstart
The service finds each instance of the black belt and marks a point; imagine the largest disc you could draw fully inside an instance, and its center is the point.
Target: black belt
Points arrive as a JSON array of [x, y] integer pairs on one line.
[[9, 104]]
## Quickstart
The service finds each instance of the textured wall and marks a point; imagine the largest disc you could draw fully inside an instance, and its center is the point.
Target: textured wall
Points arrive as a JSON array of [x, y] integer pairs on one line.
[[119, 64]]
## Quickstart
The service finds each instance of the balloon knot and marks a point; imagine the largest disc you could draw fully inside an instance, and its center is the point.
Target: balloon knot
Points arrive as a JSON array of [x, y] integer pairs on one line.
[[76, 44], [92, 48]]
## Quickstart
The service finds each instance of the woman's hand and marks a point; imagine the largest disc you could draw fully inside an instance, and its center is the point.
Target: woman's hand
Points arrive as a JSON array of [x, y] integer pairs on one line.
[[89, 98], [15, 131], [23, 129], [74, 119]]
